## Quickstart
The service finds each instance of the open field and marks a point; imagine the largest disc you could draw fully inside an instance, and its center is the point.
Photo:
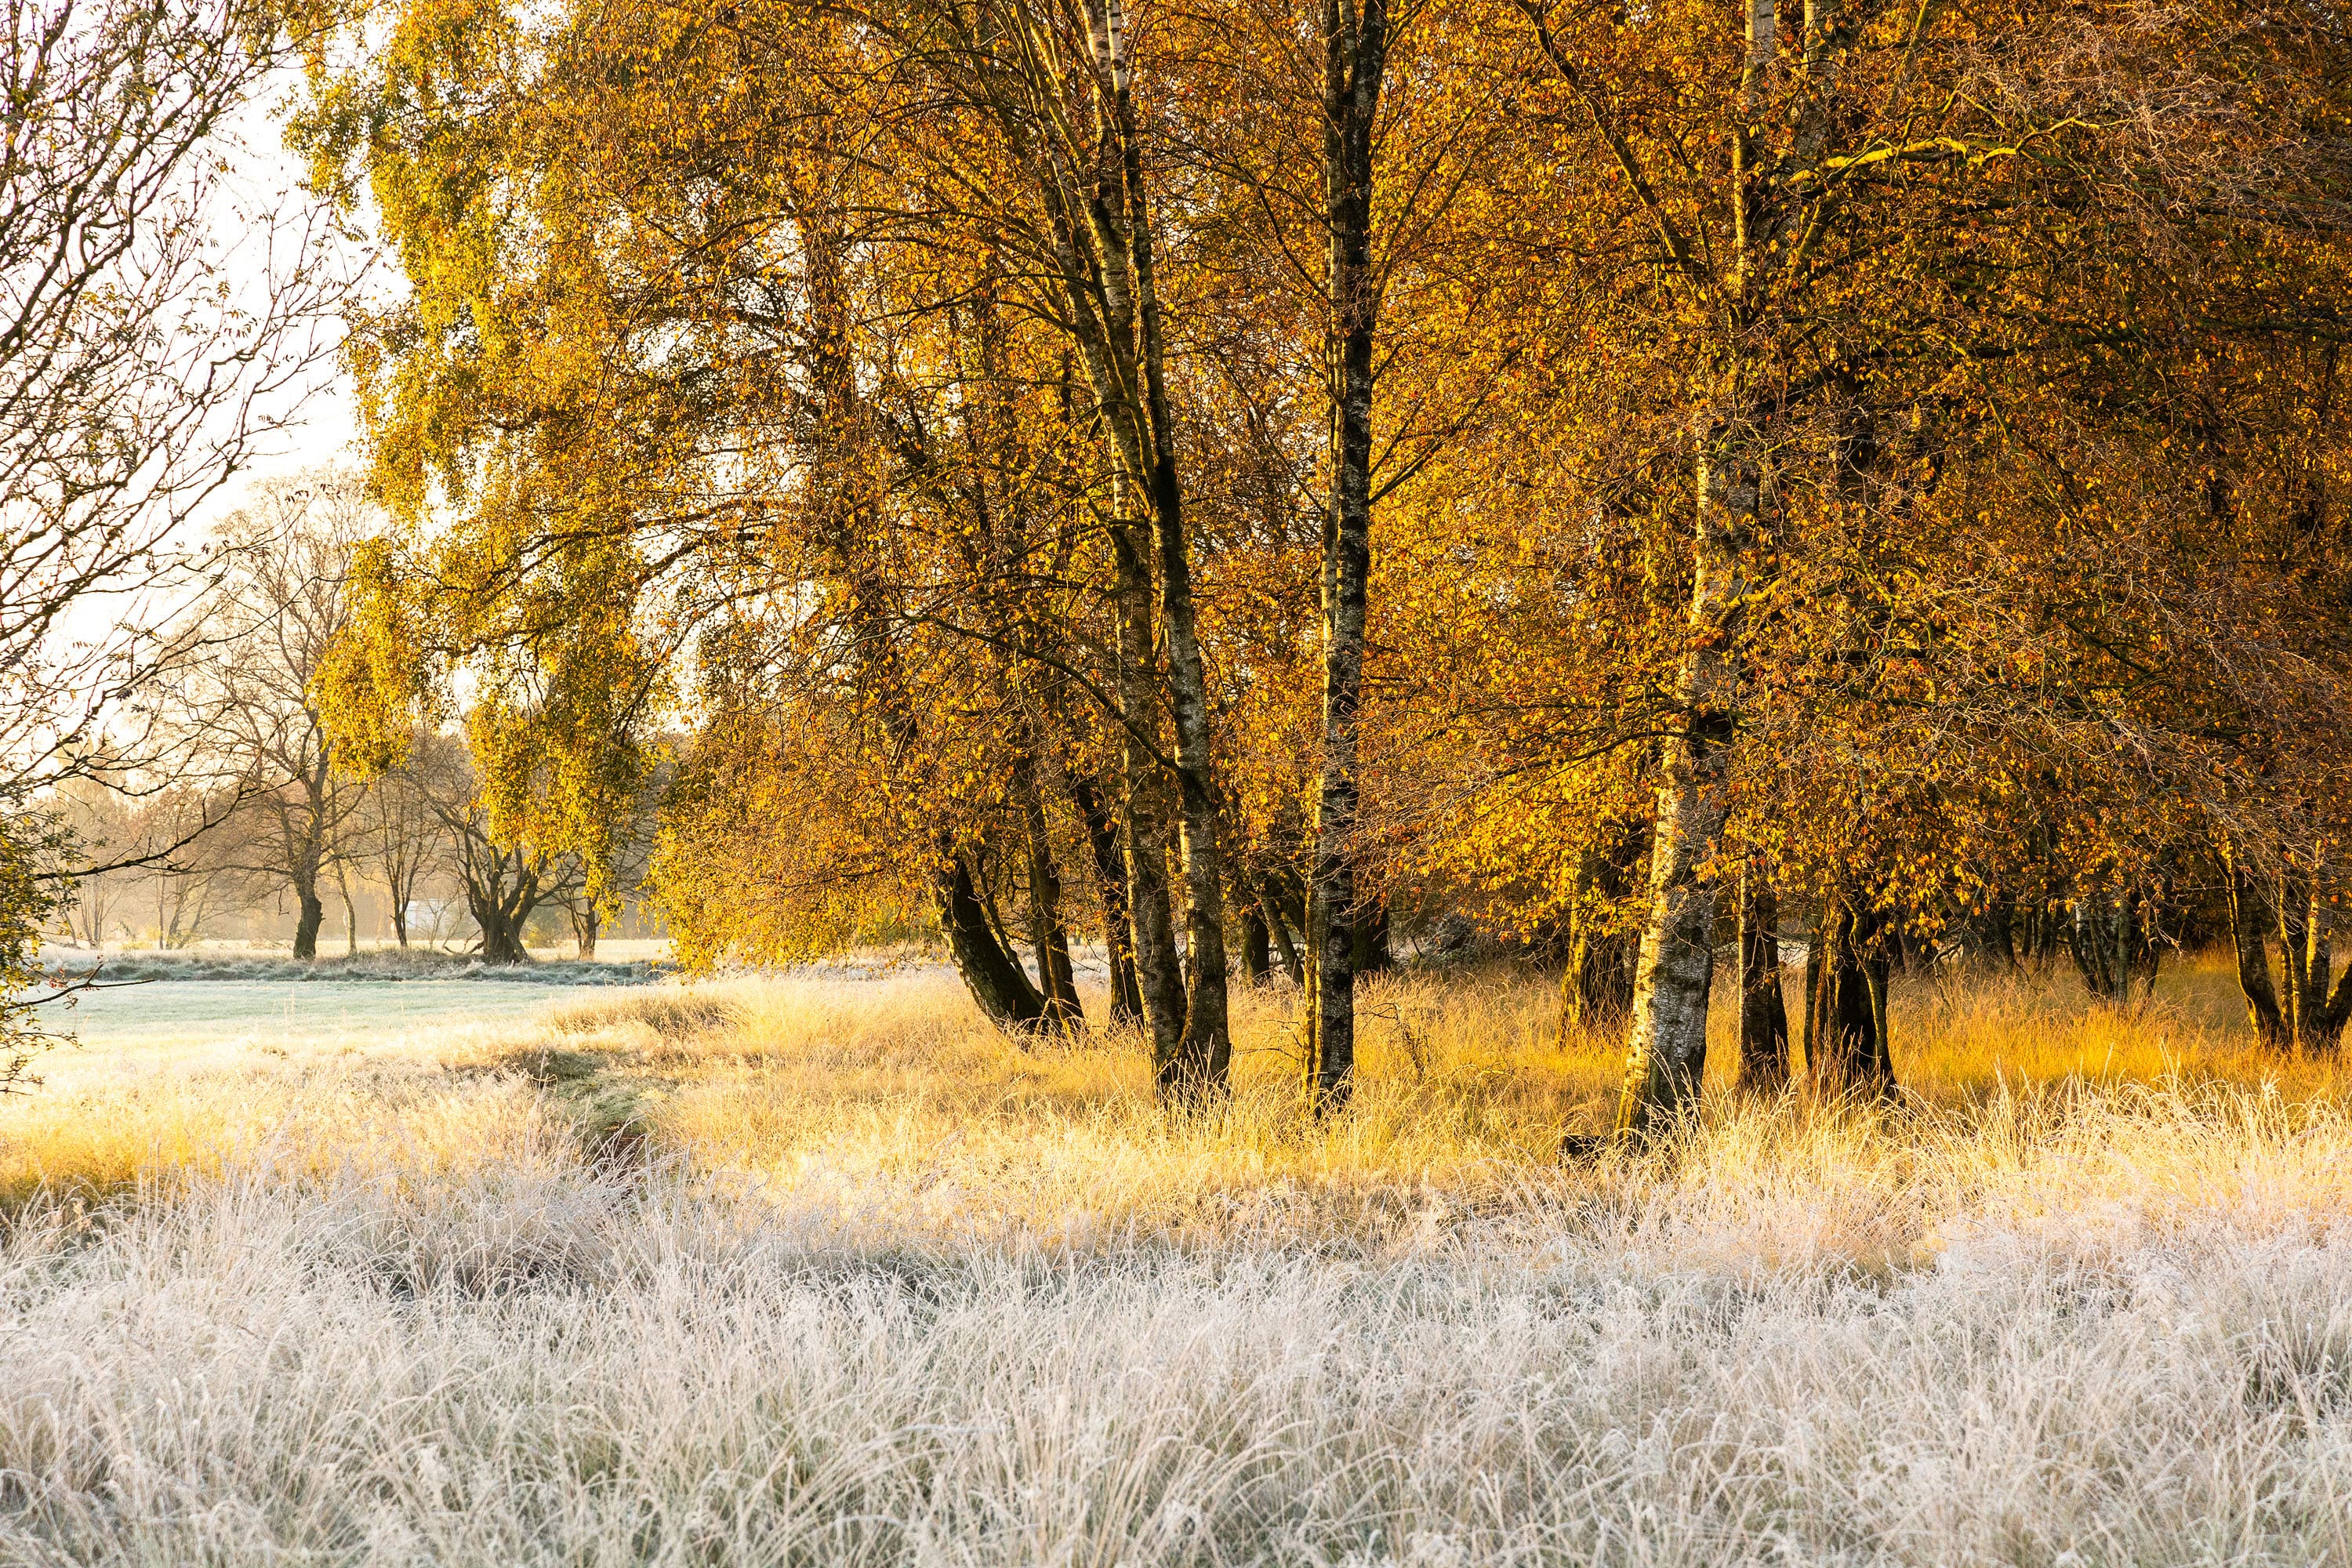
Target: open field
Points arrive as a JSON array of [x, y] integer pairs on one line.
[[817, 1270]]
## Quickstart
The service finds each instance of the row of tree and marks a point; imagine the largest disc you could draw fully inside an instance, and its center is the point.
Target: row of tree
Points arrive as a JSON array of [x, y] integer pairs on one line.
[[171, 865], [1249, 479], [256, 809], [1223, 474]]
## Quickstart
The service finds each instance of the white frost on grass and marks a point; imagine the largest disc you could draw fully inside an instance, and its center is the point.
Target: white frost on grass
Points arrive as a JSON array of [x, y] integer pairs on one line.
[[379, 965], [401, 1312], [537, 1364]]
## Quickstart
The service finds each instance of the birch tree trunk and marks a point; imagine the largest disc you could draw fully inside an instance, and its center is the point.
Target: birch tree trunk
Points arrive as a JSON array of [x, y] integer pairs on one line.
[[1203, 1056], [992, 975], [1151, 931], [1090, 180], [1056, 980], [1355, 60], [990, 972], [1665, 1058]]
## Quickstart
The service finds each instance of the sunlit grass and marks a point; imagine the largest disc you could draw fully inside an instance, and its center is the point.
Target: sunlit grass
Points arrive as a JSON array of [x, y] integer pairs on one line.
[[892, 1086]]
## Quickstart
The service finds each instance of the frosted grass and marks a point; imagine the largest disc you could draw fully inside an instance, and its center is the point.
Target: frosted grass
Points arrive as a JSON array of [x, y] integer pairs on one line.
[[878, 1289]]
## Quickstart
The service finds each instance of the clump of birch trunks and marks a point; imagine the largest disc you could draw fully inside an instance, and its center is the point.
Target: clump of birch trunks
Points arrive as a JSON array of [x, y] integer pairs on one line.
[[824, 1270]]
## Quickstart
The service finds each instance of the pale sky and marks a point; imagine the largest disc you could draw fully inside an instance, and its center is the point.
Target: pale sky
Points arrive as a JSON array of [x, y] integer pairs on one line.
[[327, 427]]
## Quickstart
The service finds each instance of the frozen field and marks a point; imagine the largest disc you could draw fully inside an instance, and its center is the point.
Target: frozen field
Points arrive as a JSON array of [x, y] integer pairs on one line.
[[220, 1011]]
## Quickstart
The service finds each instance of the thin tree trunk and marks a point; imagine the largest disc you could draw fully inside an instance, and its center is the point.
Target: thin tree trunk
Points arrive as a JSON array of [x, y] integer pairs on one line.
[[1285, 927], [1374, 953], [1203, 1054], [2323, 1022], [1047, 936], [1111, 875], [1666, 1051], [1597, 988], [1277, 926], [1763, 1010], [351, 915], [2321, 964], [1814, 966], [1203, 1058], [2296, 919], [1355, 61], [1996, 934], [2329, 1016], [2090, 946], [1099, 213], [1257, 952], [2247, 916]]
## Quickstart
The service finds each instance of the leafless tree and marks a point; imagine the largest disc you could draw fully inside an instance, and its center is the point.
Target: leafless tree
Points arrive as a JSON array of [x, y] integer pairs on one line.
[[137, 377], [397, 839], [200, 880], [503, 884], [267, 628], [148, 862], [103, 822]]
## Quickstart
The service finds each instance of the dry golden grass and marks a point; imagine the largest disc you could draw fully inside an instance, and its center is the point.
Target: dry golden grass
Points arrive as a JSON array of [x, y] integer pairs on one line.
[[892, 1096], [817, 1269], [888, 1092]]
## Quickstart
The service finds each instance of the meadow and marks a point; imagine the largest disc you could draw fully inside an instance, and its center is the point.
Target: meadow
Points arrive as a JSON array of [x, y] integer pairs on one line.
[[814, 1268]]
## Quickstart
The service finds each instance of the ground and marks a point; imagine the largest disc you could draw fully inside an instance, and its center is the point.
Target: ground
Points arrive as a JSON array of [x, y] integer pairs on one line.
[[815, 1268]]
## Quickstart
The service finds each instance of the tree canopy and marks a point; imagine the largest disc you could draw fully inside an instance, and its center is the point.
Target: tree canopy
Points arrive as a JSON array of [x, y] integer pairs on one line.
[[1266, 472]]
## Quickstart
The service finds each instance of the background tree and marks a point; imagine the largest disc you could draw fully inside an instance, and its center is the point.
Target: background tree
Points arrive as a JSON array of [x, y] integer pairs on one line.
[[103, 822], [503, 883], [158, 862], [199, 884], [279, 604], [132, 385], [397, 841]]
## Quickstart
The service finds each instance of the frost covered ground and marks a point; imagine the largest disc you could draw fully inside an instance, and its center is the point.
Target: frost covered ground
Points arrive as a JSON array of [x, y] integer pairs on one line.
[[815, 1270], [205, 1013]]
